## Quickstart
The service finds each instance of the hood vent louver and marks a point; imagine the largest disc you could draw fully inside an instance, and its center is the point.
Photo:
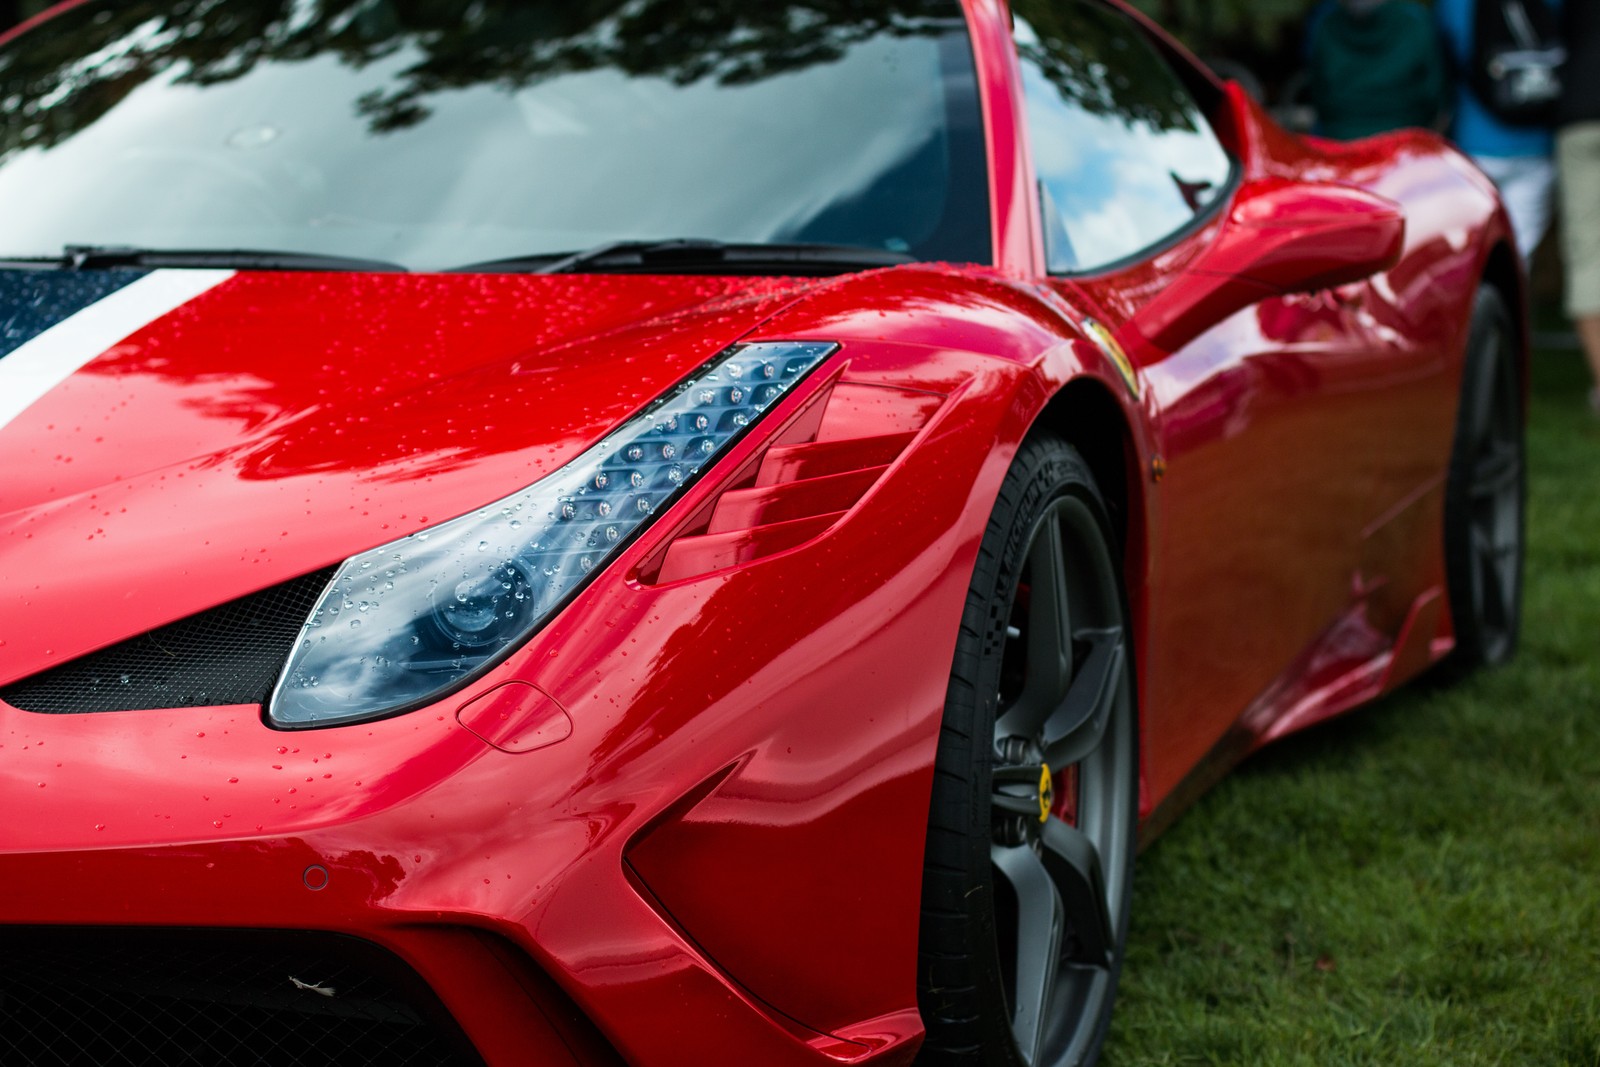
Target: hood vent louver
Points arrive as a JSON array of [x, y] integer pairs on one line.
[[830, 455]]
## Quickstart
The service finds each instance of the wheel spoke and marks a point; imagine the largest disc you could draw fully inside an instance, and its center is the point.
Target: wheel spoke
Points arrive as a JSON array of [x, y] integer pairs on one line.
[[1049, 662], [1496, 596], [1078, 727], [1074, 866], [1040, 927], [1480, 567], [1497, 470], [1479, 421]]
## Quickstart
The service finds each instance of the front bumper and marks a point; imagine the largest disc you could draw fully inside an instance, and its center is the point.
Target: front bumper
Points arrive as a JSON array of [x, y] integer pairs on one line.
[[720, 862]]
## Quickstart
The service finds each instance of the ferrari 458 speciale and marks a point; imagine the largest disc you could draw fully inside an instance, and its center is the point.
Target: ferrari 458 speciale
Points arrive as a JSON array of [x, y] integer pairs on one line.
[[676, 532]]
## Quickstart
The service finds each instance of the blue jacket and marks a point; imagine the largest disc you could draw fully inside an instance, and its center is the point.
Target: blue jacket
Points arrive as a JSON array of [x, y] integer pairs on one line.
[[1475, 128]]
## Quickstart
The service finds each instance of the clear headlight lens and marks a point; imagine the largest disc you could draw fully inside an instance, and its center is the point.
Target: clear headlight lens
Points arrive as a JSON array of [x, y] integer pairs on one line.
[[401, 625]]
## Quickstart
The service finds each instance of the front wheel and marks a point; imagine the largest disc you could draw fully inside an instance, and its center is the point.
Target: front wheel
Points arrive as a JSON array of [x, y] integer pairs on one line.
[[1035, 798]]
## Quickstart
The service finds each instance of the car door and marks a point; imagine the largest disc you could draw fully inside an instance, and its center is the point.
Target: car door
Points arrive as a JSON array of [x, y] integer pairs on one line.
[[1265, 465]]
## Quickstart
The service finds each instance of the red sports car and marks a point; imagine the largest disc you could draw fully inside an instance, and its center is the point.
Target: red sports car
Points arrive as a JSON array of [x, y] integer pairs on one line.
[[670, 532]]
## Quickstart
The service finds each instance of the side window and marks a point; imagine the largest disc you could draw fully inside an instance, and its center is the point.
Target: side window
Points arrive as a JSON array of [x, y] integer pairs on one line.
[[1124, 156]]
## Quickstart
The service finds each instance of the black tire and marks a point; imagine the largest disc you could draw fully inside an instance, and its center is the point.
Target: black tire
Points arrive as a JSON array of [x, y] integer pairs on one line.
[[1486, 496], [1025, 913]]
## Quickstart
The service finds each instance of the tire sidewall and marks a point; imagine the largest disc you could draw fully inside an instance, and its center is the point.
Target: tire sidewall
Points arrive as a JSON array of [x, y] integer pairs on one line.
[[1044, 471], [1485, 370]]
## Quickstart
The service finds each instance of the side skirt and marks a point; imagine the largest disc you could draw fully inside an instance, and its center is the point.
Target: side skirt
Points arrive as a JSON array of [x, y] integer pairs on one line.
[[1350, 665]]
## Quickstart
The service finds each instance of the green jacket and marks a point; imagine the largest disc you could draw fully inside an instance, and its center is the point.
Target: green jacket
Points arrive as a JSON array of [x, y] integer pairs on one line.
[[1384, 70]]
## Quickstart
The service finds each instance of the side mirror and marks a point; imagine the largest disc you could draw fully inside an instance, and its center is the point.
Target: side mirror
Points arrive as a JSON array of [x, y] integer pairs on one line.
[[1280, 237]]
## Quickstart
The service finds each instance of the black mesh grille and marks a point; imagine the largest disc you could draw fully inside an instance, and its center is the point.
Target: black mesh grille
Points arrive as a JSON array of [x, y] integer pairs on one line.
[[229, 655], [113, 999]]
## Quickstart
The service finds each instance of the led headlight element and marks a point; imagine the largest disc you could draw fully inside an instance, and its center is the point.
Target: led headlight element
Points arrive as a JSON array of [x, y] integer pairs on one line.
[[402, 624]]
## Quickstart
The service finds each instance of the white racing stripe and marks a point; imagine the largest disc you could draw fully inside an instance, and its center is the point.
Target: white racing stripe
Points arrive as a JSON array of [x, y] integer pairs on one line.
[[45, 362]]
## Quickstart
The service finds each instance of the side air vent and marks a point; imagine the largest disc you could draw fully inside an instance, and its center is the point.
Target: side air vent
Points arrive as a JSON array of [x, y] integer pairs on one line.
[[229, 655], [825, 460]]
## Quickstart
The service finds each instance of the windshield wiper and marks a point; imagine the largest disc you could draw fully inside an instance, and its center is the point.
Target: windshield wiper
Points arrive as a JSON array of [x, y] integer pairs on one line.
[[696, 255], [100, 257]]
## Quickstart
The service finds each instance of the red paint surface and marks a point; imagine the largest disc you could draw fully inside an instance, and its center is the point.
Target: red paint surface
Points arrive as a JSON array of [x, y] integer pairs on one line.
[[282, 422], [722, 862]]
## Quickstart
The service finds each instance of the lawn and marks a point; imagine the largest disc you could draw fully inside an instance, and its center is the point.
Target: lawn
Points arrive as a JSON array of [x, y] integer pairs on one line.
[[1418, 883]]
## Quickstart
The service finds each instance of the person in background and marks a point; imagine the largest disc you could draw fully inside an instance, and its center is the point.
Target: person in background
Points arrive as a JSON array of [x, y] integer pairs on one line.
[[1376, 65], [1578, 160], [1519, 159]]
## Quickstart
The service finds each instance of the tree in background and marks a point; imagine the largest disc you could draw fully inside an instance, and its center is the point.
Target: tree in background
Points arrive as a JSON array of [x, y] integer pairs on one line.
[[14, 11], [1260, 42], [1214, 25]]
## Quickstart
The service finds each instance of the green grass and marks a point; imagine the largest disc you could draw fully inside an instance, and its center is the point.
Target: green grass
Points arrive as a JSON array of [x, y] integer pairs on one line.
[[1419, 882]]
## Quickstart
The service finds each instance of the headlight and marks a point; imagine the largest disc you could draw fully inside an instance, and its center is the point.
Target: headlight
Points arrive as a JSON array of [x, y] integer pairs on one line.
[[402, 625]]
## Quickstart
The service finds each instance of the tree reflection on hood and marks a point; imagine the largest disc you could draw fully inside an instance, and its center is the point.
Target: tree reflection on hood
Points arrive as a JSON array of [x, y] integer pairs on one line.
[[69, 72]]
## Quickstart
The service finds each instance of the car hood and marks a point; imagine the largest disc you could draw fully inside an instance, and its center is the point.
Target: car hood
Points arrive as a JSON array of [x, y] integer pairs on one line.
[[177, 439]]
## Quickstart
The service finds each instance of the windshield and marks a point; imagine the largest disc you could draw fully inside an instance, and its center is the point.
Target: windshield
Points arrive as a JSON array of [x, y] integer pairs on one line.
[[438, 133]]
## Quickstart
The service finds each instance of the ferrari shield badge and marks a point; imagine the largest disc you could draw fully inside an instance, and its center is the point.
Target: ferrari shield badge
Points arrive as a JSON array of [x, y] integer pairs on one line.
[[1114, 352]]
